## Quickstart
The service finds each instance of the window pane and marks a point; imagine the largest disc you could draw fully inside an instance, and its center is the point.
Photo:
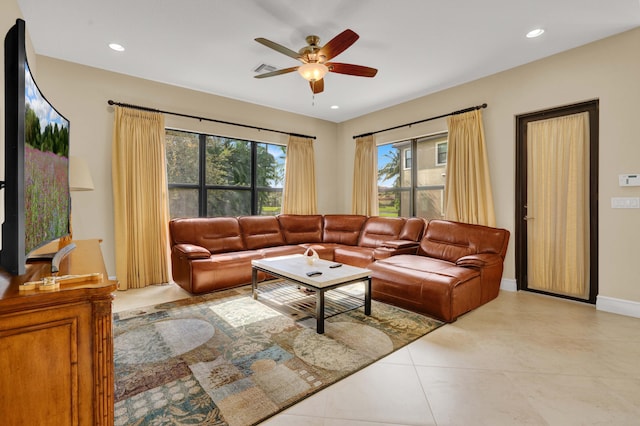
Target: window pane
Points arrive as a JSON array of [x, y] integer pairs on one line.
[[429, 171], [388, 166], [388, 203], [270, 171], [182, 157], [442, 153], [405, 209], [430, 203], [183, 202], [226, 202], [228, 162], [269, 203]]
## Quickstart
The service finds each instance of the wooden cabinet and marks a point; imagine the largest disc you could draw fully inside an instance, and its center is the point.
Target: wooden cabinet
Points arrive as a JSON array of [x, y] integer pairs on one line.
[[56, 346]]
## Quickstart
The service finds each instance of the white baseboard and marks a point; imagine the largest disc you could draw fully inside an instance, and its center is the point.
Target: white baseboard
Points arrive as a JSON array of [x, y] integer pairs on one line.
[[508, 284], [618, 306], [607, 304]]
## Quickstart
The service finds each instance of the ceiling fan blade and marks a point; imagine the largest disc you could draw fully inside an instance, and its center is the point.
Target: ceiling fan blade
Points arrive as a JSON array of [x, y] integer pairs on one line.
[[276, 72], [317, 86], [338, 44], [279, 48], [350, 69]]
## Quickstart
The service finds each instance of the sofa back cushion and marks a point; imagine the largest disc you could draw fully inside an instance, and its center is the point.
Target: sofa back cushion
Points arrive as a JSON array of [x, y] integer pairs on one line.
[[260, 232], [413, 229], [342, 228], [299, 229], [377, 230], [216, 234], [450, 241]]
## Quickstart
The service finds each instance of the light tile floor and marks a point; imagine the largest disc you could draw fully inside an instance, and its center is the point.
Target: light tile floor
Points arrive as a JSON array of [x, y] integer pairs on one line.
[[522, 359]]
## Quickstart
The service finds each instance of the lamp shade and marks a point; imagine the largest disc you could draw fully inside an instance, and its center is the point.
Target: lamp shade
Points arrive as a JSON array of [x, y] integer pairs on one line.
[[79, 175], [313, 71]]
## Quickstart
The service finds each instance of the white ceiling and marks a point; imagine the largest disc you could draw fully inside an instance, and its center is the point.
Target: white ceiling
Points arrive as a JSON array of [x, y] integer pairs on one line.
[[418, 46]]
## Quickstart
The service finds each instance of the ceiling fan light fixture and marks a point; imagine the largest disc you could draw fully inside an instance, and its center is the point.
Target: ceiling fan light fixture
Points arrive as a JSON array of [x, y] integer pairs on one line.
[[313, 71]]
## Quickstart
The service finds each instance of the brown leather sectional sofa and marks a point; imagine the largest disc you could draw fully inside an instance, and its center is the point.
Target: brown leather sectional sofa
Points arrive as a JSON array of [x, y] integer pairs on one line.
[[440, 268]]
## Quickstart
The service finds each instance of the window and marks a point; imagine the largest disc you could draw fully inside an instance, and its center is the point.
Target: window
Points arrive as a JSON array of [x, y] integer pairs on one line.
[[407, 158], [416, 188], [441, 153], [216, 176]]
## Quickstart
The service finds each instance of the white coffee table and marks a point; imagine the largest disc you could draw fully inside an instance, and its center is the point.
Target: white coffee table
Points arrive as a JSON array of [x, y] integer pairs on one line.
[[295, 268]]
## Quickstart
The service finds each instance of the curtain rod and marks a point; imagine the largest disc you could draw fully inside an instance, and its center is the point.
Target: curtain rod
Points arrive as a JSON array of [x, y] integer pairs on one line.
[[422, 121], [110, 102]]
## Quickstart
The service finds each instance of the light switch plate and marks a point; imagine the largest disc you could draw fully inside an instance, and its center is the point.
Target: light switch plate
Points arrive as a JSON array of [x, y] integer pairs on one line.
[[625, 203]]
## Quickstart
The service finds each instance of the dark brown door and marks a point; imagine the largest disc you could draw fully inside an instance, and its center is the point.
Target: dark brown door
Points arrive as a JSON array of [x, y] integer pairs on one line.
[[556, 201]]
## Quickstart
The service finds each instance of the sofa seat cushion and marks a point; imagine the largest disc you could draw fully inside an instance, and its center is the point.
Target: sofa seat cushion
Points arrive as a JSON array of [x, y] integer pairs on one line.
[[354, 255], [324, 250], [282, 250], [432, 286], [419, 265]]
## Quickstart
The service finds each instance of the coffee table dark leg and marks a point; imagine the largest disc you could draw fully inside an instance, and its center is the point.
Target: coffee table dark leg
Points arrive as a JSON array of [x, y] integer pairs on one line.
[[320, 311], [254, 283], [367, 297]]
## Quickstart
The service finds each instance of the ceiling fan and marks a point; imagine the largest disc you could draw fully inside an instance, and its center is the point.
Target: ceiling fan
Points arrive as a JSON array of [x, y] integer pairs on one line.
[[315, 59]]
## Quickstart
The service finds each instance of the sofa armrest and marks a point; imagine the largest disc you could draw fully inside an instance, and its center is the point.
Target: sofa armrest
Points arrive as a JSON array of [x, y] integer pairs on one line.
[[191, 251], [400, 244], [386, 252], [481, 260]]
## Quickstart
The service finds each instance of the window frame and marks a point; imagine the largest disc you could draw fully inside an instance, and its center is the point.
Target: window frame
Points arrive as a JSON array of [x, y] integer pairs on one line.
[[202, 186], [438, 144]]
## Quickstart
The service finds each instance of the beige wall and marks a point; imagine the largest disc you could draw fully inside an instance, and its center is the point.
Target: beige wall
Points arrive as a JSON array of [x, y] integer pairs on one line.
[[607, 70]]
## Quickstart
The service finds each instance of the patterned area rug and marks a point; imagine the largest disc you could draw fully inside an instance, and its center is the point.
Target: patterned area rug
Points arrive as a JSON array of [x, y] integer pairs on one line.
[[227, 359]]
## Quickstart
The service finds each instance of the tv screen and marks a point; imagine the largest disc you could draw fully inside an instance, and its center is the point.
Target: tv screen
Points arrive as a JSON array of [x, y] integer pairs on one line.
[[46, 169], [37, 200]]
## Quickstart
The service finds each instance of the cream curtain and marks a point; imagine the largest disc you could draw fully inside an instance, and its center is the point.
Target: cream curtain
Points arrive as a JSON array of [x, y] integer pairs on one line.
[[140, 198], [300, 195], [364, 199], [558, 205], [468, 196]]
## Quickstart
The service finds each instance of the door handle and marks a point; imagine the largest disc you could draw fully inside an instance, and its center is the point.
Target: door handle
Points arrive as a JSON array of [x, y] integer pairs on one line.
[[528, 218]]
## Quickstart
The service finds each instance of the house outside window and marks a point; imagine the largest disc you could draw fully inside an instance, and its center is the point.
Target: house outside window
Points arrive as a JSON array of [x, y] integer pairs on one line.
[[415, 189], [212, 176]]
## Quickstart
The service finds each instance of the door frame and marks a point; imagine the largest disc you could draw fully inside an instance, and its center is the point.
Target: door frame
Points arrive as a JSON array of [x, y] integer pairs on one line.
[[592, 107]]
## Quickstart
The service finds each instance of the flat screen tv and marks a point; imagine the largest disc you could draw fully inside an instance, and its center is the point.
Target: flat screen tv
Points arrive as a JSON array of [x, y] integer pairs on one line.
[[36, 186]]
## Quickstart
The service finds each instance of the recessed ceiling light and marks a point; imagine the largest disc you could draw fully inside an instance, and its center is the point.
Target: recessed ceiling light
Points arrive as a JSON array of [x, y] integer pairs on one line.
[[117, 47], [535, 33], [335, 107]]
